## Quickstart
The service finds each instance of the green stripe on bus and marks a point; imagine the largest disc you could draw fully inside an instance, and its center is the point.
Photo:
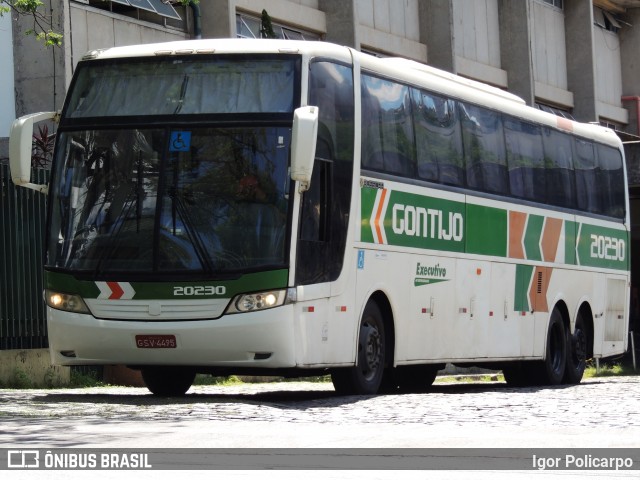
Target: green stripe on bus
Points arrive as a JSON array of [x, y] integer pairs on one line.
[[426, 222], [523, 279], [250, 282], [570, 232], [532, 236], [602, 247], [486, 230], [368, 199]]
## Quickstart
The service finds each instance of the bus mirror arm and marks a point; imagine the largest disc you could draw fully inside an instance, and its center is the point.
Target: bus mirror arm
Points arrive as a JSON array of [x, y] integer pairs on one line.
[[303, 145], [21, 146]]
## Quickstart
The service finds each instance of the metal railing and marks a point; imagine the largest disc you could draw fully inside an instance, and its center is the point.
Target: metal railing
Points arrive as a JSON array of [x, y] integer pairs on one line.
[[22, 233]]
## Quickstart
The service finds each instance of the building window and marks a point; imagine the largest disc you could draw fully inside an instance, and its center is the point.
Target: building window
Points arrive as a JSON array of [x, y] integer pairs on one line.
[[248, 26], [606, 20], [555, 3], [555, 110], [155, 11]]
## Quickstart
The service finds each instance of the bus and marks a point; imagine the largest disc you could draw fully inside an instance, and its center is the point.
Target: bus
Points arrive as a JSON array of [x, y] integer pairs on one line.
[[301, 208]]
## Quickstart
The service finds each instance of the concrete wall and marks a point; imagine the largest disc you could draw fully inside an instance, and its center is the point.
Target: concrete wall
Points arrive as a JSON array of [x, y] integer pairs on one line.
[[391, 27], [93, 28], [477, 41], [549, 55], [31, 368], [629, 41], [608, 76], [7, 97], [39, 72]]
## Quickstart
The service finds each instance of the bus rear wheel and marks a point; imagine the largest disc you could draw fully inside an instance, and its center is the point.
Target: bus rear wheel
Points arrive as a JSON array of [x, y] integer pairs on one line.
[[576, 353], [552, 369], [168, 381], [366, 376]]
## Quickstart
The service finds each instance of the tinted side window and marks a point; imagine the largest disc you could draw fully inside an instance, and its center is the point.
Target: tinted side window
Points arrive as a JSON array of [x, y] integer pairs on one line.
[[586, 177], [525, 159], [558, 159], [438, 139], [611, 186], [331, 90], [484, 151], [325, 206], [387, 127]]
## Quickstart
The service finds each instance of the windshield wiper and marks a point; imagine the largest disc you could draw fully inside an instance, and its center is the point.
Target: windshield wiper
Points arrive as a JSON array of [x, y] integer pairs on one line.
[[117, 225], [192, 232]]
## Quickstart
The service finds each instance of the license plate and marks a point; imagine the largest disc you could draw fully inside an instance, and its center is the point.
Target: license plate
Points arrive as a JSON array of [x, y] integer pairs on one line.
[[156, 341]]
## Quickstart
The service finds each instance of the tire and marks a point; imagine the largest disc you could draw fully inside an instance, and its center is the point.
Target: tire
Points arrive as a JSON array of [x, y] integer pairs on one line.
[[168, 381], [551, 370], [576, 353], [412, 378], [365, 378], [517, 374]]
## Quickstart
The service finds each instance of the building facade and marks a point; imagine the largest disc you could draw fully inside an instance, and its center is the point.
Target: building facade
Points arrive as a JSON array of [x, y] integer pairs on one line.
[[575, 57]]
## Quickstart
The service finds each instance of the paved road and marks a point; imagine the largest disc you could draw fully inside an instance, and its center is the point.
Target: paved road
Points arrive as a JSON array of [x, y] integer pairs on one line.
[[597, 413], [603, 412]]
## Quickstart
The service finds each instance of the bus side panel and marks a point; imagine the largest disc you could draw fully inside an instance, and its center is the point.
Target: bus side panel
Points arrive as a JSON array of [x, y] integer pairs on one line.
[[431, 282], [511, 332]]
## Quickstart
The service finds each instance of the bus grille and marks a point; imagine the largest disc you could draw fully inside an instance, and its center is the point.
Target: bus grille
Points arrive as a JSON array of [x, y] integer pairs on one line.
[[157, 310]]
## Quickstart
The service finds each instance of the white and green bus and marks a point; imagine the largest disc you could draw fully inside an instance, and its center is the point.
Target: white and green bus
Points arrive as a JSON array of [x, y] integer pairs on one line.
[[300, 208]]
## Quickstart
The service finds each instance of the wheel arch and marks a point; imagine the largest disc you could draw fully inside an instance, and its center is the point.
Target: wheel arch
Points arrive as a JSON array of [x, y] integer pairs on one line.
[[561, 306]]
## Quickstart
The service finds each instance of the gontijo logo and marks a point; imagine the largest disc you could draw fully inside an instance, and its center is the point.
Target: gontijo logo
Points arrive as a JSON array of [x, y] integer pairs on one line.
[[400, 218]]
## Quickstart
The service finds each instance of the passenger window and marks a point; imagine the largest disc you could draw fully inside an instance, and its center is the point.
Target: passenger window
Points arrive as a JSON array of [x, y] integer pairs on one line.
[[586, 177], [525, 159], [611, 186], [484, 151], [331, 90], [438, 139], [387, 127], [558, 159]]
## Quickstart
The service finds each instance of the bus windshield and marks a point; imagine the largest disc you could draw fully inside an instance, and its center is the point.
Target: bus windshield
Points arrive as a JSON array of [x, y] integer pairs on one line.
[[174, 165], [182, 86], [208, 200]]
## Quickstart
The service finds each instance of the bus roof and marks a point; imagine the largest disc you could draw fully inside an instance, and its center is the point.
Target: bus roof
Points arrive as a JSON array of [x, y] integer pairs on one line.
[[400, 69]]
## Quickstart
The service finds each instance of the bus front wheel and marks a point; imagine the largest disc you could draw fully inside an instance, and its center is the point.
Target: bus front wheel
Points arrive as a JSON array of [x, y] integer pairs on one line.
[[366, 376], [168, 381]]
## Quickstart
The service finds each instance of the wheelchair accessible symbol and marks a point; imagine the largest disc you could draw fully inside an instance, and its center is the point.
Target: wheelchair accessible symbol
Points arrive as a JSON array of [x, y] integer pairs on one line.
[[180, 141]]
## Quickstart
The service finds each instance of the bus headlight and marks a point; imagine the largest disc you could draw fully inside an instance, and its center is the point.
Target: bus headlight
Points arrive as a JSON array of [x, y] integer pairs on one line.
[[252, 302], [65, 302]]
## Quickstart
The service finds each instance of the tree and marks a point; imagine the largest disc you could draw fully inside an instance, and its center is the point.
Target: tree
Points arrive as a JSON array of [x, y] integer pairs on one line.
[[43, 23], [266, 28]]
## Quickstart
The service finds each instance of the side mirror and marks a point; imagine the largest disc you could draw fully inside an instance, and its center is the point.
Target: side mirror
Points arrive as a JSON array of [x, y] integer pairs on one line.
[[303, 145], [20, 148]]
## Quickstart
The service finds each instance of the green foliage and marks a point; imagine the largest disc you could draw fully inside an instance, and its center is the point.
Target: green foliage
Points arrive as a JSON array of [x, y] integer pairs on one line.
[[266, 27], [608, 370], [202, 379], [20, 379], [42, 23], [43, 143], [84, 380]]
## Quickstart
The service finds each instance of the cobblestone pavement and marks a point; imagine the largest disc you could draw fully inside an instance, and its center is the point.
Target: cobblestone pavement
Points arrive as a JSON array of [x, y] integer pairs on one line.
[[597, 403], [602, 412]]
